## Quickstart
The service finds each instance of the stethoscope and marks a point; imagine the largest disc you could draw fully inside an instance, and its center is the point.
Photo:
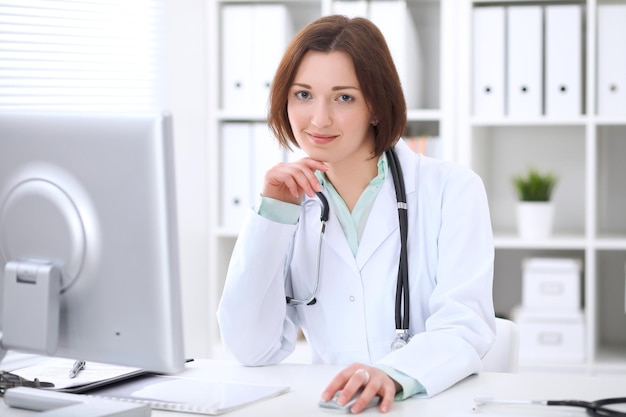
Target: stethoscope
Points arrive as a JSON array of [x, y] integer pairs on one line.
[[402, 288], [598, 408]]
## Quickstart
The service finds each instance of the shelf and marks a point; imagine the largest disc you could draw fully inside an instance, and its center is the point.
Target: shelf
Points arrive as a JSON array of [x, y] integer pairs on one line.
[[418, 115], [609, 121], [610, 243], [226, 116], [297, 2], [585, 151], [541, 121], [508, 2], [565, 242], [413, 115]]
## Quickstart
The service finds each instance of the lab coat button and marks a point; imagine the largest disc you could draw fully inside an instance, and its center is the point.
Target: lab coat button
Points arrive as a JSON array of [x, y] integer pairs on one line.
[[352, 298]]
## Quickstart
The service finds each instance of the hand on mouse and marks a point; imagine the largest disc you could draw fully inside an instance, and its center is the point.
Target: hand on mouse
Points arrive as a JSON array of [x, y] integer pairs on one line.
[[372, 380]]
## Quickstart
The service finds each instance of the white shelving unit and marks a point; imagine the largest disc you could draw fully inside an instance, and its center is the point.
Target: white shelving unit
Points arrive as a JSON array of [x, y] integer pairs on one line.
[[585, 151], [590, 200], [433, 117]]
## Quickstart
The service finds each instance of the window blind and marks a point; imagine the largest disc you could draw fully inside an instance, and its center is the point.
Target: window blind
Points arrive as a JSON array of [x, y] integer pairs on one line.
[[92, 55]]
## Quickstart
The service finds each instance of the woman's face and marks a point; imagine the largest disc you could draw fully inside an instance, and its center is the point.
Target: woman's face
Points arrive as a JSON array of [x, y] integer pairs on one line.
[[327, 111]]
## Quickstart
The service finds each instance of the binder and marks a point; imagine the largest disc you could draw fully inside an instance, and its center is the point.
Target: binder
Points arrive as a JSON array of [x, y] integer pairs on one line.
[[236, 177], [272, 32], [394, 20], [563, 31], [524, 61], [254, 38], [350, 8], [236, 53], [488, 61], [266, 152], [611, 60]]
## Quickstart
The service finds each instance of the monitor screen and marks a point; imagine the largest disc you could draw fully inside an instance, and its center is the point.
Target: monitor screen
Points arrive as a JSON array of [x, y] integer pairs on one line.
[[88, 238]]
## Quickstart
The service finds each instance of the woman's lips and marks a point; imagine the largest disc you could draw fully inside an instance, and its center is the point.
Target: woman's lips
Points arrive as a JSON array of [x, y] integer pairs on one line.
[[320, 139]]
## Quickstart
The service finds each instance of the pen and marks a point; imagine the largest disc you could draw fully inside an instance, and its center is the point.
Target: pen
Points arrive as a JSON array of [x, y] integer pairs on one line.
[[78, 366]]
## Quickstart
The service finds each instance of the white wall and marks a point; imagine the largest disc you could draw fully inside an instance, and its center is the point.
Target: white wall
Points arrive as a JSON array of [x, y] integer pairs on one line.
[[187, 91]]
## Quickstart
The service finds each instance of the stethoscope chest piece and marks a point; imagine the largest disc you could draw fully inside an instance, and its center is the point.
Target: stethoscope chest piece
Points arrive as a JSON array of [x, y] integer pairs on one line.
[[402, 338]]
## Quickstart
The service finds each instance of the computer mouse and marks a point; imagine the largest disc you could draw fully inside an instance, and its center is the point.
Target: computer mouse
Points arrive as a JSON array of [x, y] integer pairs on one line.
[[332, 403]]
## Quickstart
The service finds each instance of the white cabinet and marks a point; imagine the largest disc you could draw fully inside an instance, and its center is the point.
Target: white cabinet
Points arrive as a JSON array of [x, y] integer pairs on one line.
[[584, 144], [414, 33]]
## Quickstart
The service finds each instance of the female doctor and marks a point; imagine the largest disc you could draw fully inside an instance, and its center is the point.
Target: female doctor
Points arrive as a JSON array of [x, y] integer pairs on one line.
[[337, 96]]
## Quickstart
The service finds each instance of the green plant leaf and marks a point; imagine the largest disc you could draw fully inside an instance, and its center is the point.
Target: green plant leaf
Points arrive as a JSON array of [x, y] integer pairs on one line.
[[534, 185]]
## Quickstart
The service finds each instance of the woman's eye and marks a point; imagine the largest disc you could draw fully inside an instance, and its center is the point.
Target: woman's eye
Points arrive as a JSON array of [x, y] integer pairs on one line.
[[303, 95], [345, 97]]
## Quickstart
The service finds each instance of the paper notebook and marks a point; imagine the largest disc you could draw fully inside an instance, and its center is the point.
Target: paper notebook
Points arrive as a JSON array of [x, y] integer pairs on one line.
[[188, 394]]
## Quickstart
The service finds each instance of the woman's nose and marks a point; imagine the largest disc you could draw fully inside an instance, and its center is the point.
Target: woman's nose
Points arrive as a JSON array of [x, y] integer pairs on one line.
[[321, 116]]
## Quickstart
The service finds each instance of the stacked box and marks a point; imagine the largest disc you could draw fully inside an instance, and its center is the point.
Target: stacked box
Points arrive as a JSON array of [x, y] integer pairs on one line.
[[550, 319]]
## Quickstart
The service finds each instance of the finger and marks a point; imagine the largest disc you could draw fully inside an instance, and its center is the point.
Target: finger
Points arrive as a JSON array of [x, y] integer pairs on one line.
[[339, 382], [388, 397], [368, 393], [381, 386], [356, 384], [289, 181], [310, 183], [372, 382], [365, 373]]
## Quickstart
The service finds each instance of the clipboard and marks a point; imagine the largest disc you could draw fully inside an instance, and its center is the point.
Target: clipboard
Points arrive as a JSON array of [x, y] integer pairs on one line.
[[93, 375]]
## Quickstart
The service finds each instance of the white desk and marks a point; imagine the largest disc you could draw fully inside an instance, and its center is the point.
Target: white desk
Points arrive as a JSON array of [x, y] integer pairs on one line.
[[308, 381]]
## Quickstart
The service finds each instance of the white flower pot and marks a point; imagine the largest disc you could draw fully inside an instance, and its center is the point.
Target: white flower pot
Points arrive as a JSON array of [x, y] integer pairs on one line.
[[535, 219]]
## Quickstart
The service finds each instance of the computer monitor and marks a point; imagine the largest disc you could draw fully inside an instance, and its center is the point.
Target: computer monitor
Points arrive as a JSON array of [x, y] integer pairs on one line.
[[88, 238]]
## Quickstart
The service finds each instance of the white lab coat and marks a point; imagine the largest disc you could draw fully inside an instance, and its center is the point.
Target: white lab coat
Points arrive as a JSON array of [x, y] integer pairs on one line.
[[450, 252]]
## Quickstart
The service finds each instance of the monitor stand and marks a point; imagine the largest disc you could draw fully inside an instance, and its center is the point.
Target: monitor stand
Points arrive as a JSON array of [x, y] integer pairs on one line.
[[61, 404]]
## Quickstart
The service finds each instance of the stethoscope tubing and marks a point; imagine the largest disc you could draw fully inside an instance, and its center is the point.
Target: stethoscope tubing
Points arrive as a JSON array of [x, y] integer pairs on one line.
[[402, 289], [324, 214], [402, 307], [596, 408]]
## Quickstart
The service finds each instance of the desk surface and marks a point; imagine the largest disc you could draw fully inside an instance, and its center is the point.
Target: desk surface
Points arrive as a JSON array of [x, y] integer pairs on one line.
[[308, 381]]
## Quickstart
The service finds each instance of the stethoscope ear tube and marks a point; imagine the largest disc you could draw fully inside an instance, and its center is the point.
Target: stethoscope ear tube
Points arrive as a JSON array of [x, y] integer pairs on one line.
[[325, 209]]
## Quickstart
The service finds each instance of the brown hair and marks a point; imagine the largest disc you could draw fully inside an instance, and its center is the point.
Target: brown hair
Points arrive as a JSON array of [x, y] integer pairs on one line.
[[375, 70]]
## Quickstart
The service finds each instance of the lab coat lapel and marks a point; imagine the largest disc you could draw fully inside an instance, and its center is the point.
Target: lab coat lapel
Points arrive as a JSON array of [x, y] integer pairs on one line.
[[383, 219], [335, 239], [381, 222]]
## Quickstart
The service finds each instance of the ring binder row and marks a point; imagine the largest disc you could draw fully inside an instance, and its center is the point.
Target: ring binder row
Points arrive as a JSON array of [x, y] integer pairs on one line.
[[528, 60], [255, 36], [248, 150]]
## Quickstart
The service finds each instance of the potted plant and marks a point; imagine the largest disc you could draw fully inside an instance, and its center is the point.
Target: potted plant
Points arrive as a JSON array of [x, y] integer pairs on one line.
[[535, 210]]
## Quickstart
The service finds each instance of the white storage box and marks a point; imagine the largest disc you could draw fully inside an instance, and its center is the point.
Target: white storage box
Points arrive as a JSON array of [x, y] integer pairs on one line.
[[554, 338], [551, 284]]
